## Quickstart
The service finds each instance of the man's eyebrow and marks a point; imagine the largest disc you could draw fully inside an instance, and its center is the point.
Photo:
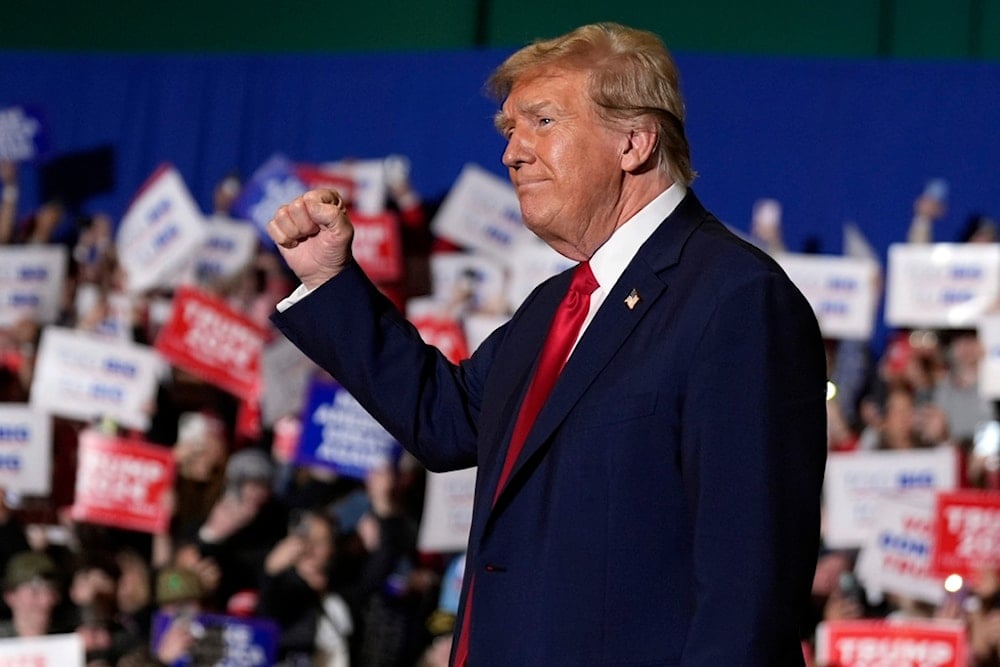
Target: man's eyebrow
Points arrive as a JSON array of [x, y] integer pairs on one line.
[[502, 122]]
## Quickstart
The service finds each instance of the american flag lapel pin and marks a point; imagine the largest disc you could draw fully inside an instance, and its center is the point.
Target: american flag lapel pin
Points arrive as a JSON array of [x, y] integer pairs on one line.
[[632, 299]]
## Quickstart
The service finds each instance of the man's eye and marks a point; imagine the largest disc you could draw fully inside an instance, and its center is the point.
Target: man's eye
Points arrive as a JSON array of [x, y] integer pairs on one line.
[[545, 121]]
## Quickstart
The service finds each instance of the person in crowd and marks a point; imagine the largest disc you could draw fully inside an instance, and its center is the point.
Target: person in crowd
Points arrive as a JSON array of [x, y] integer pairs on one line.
[[244, 523], [31, 587], [689, 416], [957, 392], [315, 623]]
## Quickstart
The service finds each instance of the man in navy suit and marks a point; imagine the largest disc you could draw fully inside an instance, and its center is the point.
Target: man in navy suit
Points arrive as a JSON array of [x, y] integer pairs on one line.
[[663, 509]]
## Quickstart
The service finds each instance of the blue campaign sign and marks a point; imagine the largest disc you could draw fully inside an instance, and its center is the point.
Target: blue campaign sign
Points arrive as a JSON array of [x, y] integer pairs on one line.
[[224, 641], [272, 185], [23, 134], [338, 433]]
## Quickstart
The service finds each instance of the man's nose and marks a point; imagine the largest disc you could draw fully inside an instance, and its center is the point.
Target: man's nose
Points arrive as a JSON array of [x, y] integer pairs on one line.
[[518, 151]]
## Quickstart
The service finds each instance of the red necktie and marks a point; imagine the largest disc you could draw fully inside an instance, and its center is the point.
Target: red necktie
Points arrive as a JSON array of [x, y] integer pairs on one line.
[[563, 332]]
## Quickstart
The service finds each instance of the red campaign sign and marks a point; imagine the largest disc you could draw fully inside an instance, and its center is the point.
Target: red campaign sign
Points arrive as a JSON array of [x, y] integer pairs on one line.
[[377, 247], [210, 340], [314, 177], [445, 334], [874, 643], [966, 532], [122, 483]]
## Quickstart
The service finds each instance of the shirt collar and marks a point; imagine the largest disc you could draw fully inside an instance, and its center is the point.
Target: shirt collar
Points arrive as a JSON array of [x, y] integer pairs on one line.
[[610, 260]]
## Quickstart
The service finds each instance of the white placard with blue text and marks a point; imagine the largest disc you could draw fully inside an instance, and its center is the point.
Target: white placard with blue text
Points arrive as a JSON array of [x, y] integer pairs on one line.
[[25, 450], [943, 285], [49, 651], [161, 233], [989, 367], [31, 283], [481, 212], [82, 376], [447, 516], [843, 292], [338, 433], [228, 249], [857, 483], [897, 557]]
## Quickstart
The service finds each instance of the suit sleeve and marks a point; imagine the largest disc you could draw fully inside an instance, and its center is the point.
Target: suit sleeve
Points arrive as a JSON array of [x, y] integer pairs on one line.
[[352, 331], [754, 428]]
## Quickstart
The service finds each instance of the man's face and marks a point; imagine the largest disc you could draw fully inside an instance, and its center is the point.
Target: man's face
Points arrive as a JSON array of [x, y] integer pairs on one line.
[[564, 161], [32, 603]]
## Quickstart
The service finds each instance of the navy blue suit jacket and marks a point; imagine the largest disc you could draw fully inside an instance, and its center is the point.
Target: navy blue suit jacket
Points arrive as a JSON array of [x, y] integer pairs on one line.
[[665, 507]]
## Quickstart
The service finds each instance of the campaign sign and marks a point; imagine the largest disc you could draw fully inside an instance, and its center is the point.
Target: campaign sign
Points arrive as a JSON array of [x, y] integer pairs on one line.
[[447, 516], [338, 433], [368, 176], [31, 283], [944, 285], [48, 651], [377, 247], [210, 340], [466, 283], [897, 558], [271, 186], [122, 482], [533, 263], [843, 292], [23, 134], [318, 178], [876, 643], [856, 484], [25, 450], [85, 376], [228, 249], [160, 233], [479, 327], [443, 332], [989, 366], [481, 212], [285, 371], [967, 532], [223, 641]]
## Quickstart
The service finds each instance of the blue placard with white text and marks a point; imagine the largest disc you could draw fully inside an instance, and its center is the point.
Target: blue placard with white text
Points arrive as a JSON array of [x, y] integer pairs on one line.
[[338, 433], [24, 134]]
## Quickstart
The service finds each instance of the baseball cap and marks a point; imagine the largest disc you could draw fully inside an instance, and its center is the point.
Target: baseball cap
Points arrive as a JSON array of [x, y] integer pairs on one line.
[[27, 566]]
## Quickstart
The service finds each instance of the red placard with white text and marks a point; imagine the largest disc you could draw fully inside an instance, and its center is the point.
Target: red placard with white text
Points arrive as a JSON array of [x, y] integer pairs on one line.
[[121, 482], [377, 247], [210, 340], [444, 333], [875, 643], [967, 532]]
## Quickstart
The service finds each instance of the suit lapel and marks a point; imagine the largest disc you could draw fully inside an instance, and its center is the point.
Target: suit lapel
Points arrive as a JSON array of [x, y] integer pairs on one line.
[[605, 335]]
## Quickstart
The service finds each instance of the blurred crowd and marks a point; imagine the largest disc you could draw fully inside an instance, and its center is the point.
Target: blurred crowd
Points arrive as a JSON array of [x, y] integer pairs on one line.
[[334, 560]]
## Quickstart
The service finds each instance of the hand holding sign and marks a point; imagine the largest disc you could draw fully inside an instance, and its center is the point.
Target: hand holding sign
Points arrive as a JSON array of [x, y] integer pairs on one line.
[[314, 235]]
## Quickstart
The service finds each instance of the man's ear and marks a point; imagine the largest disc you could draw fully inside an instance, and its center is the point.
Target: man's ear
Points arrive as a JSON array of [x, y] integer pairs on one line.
[[641, 142]]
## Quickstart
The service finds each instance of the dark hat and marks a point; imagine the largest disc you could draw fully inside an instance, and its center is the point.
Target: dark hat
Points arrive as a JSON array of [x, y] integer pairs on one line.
[[27, 566], [249, 465], [174, 584]]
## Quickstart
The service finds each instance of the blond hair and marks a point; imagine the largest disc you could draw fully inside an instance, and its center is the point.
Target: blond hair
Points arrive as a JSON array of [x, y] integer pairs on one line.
[[632, 78]]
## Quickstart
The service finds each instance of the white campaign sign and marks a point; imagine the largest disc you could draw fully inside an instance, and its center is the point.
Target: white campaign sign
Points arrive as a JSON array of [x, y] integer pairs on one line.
[[533, 263], [31, 282], [161, 233], [49, 651], [447, 518], [25, 450], [897, 557], [857, 483], [285, 371], [481, 212], [83, 376], [466, 283], [843, 292], [989, 367], [228, 249], [943, 285]]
